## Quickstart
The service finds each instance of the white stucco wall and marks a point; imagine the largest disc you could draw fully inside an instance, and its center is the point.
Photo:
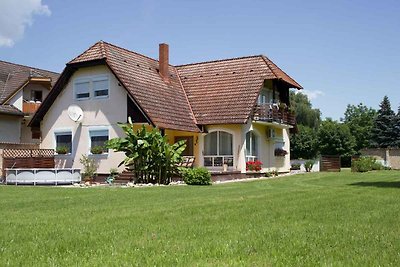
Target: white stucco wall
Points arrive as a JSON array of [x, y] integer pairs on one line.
[[103, 113], [267, 146], [27, 92], [10, 129], [236, 131], [16, 100]]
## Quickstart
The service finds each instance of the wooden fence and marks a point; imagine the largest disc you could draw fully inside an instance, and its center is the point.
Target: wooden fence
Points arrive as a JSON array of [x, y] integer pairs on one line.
[[26, 158], [330, 163]]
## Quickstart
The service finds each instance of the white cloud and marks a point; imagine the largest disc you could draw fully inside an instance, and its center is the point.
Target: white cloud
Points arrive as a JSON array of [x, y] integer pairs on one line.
[[15, 16], [312, 94]]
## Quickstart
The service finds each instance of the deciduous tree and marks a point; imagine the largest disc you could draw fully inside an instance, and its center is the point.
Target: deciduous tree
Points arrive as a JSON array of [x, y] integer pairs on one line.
[[334, 138], [360, 120]]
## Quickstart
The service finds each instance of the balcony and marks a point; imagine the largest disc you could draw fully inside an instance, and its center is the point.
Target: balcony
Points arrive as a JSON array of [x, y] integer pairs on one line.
[[273, 113], [30, 107]]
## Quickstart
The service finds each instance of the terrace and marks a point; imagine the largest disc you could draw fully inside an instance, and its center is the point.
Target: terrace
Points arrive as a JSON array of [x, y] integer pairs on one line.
[[270, 112]]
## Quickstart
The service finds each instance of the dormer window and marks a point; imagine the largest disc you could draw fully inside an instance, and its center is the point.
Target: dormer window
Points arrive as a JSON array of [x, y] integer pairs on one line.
[[36, 95]]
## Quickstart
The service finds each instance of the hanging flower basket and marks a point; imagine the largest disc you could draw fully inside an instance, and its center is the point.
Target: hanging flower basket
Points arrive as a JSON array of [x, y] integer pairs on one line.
[[280, 152]]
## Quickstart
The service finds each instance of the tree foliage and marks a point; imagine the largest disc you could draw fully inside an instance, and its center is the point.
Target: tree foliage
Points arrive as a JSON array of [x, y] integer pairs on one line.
[[334, 138], [303, 144], [305, 114], [148, 154], [383, 132], [360, 120]]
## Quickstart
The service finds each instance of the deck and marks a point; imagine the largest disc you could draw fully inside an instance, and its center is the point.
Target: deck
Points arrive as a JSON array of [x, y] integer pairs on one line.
[[272, 113]]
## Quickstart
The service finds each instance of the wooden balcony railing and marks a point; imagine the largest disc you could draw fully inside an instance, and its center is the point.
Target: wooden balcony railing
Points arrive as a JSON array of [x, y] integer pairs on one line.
[[273, 113], [30, 107]]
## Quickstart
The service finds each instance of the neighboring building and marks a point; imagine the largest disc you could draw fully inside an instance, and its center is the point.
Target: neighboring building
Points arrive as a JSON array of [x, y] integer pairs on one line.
[[229, 111], [22, 89]]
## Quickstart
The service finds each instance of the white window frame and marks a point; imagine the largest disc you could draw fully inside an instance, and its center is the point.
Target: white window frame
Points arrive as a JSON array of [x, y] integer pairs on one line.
[[61, 132], [252, 156], [224, 157], [90, 80], [97, 129], [101, 78], [81, 80]]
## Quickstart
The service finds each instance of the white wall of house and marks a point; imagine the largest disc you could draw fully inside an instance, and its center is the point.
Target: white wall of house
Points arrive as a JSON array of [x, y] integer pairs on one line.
[[101, 113], [237, 146], [10, 129], [267, 145], [27, 92], [16, 100]]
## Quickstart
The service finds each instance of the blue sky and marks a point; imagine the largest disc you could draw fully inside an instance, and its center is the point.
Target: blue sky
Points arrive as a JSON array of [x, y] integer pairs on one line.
[[341, 52]]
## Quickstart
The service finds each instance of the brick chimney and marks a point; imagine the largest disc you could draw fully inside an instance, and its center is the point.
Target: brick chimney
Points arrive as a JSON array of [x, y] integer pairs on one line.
[[163, 61]]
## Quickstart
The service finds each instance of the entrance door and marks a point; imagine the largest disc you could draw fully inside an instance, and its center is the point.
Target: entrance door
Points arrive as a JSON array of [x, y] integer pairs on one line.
[[189, 144]]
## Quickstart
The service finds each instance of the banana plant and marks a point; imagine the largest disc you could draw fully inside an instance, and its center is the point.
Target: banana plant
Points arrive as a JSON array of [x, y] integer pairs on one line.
[[148, 153]]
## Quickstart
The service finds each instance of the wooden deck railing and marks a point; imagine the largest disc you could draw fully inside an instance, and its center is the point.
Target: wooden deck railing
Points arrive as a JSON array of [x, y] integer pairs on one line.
[[30, 107], [272, 113]]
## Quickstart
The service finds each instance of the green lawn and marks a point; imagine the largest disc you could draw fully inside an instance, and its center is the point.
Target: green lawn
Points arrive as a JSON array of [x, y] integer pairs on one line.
[[319, 219]]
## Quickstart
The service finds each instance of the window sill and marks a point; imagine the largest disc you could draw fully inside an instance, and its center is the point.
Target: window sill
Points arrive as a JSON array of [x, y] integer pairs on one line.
[[103, 155], [82, 99], [101, 97], [63, 155]]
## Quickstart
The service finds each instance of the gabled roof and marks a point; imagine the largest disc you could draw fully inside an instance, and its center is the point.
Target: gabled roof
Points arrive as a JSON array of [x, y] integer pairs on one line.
[[225, 91], [215, 92], [14, 76]]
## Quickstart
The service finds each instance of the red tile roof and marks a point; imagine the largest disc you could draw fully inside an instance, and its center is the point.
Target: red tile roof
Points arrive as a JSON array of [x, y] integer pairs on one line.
[[13, 76], [215, 92], [225, 91]]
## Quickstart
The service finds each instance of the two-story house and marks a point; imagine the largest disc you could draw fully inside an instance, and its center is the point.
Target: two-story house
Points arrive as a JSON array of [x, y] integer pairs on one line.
[[229, 111], [22, 90]]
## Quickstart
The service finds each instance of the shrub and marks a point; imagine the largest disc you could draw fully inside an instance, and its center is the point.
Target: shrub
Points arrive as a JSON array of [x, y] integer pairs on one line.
[[295, 166], [365, 164], [253, 165], [196, 176], [89, 167], [62, 150], [308, 165], [97, 150]]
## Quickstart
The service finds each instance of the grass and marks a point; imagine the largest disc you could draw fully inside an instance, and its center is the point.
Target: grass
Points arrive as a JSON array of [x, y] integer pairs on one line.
[[318, 219]]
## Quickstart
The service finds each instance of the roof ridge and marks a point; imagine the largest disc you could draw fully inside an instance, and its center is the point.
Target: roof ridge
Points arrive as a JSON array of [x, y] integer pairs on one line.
[[130, 51], [186, 97], [296, 83], [268, 62], [98, 42], [26, 66], [218, 60]]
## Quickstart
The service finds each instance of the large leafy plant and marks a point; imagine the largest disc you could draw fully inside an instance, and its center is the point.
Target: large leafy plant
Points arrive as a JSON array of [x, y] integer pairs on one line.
[[148, 153]]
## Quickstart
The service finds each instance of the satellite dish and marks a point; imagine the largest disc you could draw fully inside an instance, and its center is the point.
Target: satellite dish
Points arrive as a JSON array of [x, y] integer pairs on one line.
[[75, 113]]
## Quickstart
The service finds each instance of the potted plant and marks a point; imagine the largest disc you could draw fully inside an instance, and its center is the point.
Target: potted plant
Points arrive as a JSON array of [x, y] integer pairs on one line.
[[89, 168], [280, 152], [97, 150], [62, 150]]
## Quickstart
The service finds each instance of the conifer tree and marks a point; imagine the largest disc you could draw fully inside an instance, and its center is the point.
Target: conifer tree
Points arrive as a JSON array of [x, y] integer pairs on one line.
[[383, 132]]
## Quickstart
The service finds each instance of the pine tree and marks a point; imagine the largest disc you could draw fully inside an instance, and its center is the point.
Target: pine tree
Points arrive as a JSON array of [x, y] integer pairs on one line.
[[397, 128], [383, 132]]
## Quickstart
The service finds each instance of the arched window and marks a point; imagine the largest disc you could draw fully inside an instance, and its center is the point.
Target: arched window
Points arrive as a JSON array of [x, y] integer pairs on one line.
[[218, 149], [251, 146]]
